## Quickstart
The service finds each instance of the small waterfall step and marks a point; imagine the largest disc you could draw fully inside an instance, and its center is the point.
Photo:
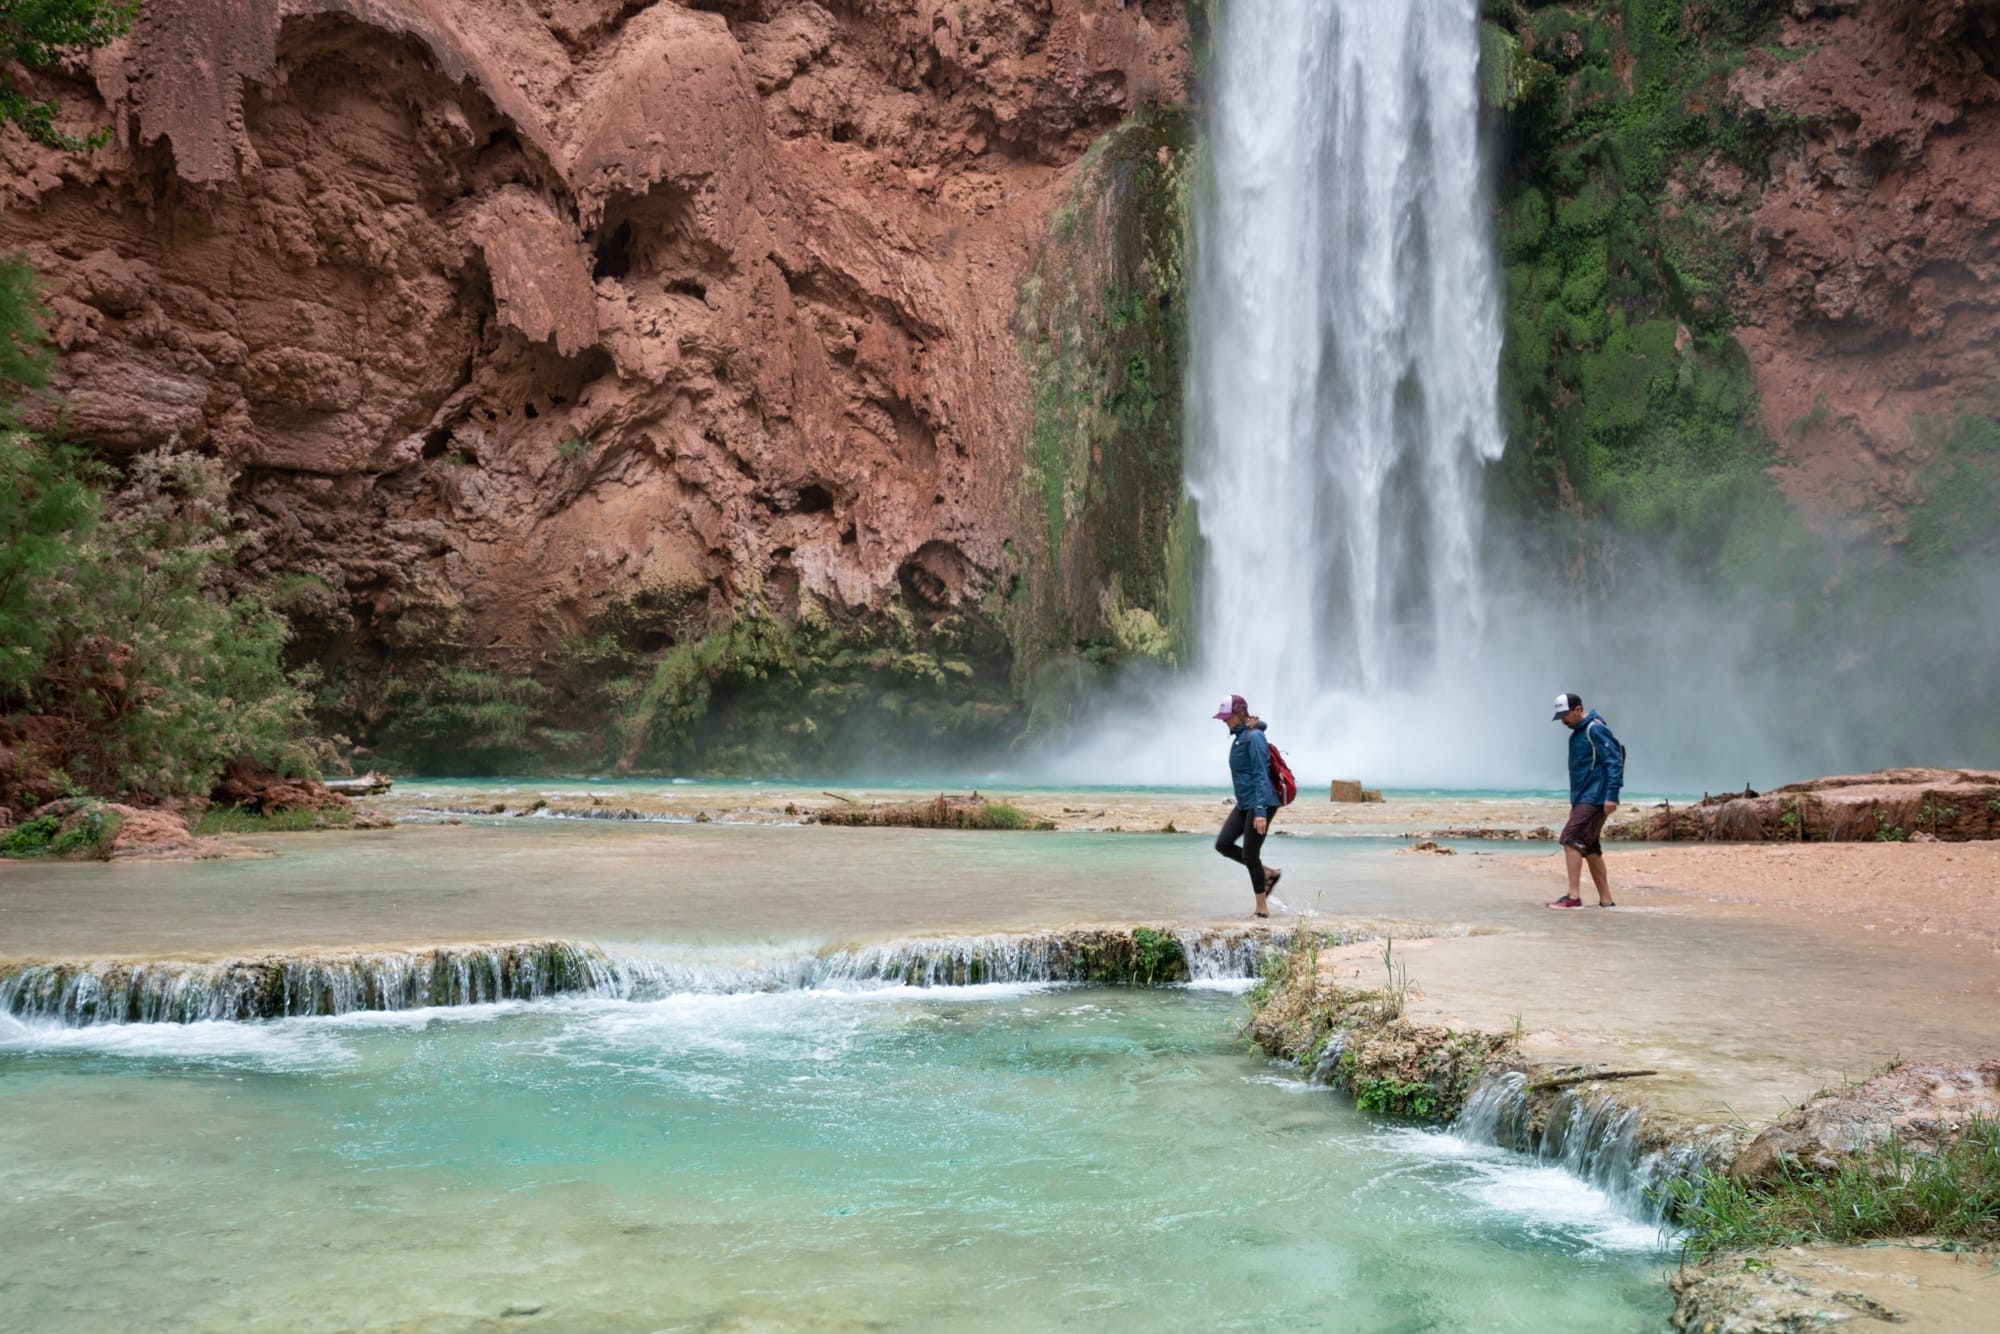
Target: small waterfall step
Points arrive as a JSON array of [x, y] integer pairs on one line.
[[1601, 1138], [79, 993]]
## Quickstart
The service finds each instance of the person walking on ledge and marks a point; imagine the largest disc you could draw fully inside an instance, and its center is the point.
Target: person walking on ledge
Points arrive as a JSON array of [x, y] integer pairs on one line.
[[1596, 775], [1256, 799]]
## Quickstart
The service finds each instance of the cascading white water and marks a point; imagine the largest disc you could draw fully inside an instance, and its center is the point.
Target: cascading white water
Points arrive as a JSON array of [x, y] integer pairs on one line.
[[1342, 398], [83, 994], [1346, 344]]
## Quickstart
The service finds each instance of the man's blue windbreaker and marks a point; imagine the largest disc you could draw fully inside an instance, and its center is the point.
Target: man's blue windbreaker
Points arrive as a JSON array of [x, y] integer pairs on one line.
[[1596, 763]]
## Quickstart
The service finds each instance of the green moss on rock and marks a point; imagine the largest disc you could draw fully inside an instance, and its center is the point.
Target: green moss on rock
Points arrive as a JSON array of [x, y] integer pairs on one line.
[[1103, 323], [1628, 400]]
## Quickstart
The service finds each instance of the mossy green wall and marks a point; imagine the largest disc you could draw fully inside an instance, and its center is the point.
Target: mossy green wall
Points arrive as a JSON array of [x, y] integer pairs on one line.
[[1107, 548], [1629, 403]]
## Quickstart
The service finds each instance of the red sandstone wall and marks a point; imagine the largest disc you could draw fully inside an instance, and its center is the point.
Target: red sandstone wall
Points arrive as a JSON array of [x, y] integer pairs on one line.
[[502, 308]]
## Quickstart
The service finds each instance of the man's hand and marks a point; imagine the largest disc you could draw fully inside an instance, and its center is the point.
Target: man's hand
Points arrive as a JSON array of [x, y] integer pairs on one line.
[[1261, 824], [1610, 809]]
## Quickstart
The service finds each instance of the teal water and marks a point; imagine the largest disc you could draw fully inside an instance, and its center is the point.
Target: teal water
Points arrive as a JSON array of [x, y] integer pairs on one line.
[[992, 1158]]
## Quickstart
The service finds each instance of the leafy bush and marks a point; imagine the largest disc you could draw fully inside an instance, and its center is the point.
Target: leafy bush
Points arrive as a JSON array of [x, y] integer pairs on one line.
[[30, 837], [34, 33], [114, 609]]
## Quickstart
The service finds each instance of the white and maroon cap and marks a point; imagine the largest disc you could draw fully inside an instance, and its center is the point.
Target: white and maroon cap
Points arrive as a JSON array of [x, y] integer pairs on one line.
[[1230, 707], [1566, 702]]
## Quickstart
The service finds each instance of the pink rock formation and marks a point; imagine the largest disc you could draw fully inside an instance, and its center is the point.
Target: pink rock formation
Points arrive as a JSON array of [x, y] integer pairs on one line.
[[502, 310]]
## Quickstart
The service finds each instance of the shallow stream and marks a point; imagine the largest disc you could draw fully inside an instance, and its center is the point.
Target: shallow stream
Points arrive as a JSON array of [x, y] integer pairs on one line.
[[993, 1157]]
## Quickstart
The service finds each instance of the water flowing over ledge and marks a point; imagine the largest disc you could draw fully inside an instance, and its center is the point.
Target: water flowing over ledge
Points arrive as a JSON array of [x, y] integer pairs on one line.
[[82, 993], [1600, 1139]]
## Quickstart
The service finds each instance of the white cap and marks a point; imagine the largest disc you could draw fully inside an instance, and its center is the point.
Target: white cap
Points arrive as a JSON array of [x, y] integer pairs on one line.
[[1565, 702]]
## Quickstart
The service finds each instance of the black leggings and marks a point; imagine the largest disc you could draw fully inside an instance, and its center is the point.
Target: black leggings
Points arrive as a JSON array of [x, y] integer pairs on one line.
[[1239, 825]]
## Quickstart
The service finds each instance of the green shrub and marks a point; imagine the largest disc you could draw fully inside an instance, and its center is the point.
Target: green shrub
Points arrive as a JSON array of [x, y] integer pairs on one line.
[[1156, 955], [37, 33], [1396, 1097], [116, 614], [31, 837]]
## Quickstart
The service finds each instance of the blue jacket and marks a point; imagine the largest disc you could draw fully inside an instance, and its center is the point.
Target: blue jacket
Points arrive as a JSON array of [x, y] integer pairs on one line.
[[1596, 763], [1250, 770]]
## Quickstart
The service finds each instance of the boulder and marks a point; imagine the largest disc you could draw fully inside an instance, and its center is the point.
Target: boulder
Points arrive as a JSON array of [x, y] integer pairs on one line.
[[1925, 1106], [152, 834], [255, 788]]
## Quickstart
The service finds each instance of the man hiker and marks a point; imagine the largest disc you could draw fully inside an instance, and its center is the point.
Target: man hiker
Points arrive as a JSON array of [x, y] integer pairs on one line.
[[1256, 798], [1596, 775]]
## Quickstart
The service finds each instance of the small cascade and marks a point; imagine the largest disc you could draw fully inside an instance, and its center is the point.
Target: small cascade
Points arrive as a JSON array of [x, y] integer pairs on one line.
[[281, 986], [1604, 1141], [1222, 956], [954, 962], [79, 994]]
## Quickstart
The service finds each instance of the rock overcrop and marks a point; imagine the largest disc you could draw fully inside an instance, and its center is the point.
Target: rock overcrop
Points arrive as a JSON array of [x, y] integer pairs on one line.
[[1890, 806], [1923, 1107], [510, 316]]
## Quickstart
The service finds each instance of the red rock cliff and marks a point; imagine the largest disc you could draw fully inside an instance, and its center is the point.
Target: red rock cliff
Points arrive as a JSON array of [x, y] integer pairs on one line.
[[1872, 300], [502, 310]]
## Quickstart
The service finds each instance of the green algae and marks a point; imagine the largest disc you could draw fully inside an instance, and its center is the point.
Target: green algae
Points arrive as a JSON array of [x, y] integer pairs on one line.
[[1106, 569], [1627, 399]]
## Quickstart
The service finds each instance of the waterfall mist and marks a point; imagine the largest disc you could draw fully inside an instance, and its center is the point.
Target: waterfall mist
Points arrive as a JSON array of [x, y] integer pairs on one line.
[[1343, 410]]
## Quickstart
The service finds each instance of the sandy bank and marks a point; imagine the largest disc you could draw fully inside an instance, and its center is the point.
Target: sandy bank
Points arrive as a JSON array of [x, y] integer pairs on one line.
[[1748, 976], [1950, 889]]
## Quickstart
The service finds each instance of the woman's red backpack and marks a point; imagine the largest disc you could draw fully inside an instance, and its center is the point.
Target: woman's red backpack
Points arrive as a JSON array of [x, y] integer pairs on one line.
[[1281, 777]]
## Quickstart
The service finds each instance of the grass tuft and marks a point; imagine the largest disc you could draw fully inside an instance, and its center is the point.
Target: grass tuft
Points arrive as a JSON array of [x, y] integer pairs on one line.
[[1952, 1194], [242, 820]]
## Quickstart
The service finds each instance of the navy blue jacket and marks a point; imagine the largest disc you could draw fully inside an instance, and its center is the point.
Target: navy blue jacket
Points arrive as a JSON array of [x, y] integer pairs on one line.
[[1250, 770], [1596, 763]]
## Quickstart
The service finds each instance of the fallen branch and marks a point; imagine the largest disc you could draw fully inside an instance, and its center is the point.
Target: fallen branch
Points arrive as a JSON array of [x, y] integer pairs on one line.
[[1566, 1081], [837, 797]]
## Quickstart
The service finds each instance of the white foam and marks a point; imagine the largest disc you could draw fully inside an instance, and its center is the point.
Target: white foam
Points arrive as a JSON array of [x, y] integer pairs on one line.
[[1547, 1200], [285, 1045], [1234, 986]]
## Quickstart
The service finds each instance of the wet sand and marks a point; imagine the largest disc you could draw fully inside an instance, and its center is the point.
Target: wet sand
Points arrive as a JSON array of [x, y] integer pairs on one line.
[[1086, 810], [1931, 889], [1750, 977]]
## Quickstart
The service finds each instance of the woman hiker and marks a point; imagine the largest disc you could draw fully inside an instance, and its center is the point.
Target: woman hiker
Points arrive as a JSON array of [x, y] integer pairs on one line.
[[1256, 799]]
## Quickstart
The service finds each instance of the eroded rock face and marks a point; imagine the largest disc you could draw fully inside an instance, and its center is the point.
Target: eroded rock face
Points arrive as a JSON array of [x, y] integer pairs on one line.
[[1892, 805], [1872, 298], [506, 311], [1924, 1106]]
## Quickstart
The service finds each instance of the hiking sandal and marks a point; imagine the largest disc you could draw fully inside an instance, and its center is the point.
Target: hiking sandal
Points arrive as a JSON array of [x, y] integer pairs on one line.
[[1565, 902]]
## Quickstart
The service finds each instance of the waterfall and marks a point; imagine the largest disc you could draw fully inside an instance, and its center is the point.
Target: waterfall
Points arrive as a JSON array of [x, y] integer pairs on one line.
[[1343, 391], [1346, 345], [1593, 1136], [83, 993]]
